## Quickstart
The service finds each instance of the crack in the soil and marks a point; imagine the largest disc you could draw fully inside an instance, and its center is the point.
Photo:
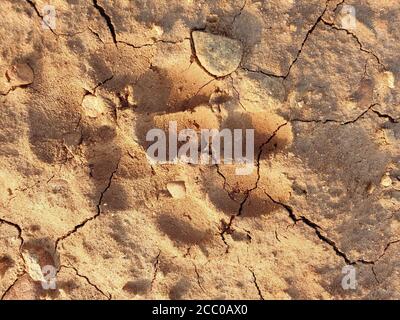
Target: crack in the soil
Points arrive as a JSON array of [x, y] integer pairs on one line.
[[98, 206], [225, 183], [309, 32], [33, 5], [265, 73], [375, 275], [386, 248], [387, 116], [12, 285], [198, 277], [256, 284], [107, 19], [318, 230], [19, 230], [155, 42], [108, 296], [155, 267], [362, 48], [337, 6], [324, 121], [23, 189], [228, 226], [237, 93], [260, 151], [312, 225], [101, 83], [237, 15], [96, 34]]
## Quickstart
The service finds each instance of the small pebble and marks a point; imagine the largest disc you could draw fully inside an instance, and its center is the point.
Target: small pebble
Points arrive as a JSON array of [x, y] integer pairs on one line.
[[93, 106], [177, 189], [386, 181], [219, 55]]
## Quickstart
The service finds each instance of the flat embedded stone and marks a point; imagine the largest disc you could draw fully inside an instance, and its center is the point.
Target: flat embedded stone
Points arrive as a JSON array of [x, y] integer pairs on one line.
[[93, 106], [219, 55], [177, 189]]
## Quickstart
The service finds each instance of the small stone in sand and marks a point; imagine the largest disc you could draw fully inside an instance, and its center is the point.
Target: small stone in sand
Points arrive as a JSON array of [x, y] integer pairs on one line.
[[386, 181], [93, 106], [219, 55], [177, 189]]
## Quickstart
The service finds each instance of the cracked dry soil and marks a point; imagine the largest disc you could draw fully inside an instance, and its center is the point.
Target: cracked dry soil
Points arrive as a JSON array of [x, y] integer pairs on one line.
[[77, 191]]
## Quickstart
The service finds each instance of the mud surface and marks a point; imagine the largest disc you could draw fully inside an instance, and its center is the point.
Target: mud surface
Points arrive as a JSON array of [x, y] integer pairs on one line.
[[78, 193]]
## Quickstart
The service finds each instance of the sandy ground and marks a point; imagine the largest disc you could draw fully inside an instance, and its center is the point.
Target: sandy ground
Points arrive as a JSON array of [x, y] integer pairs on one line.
[[78, 193]]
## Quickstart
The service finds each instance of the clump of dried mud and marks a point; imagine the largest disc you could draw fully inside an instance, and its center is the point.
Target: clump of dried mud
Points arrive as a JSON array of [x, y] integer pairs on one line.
[[77, 191]]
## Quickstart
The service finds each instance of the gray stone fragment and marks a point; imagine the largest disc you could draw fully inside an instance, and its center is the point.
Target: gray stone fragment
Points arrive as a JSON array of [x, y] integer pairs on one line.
[[219, 55]]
